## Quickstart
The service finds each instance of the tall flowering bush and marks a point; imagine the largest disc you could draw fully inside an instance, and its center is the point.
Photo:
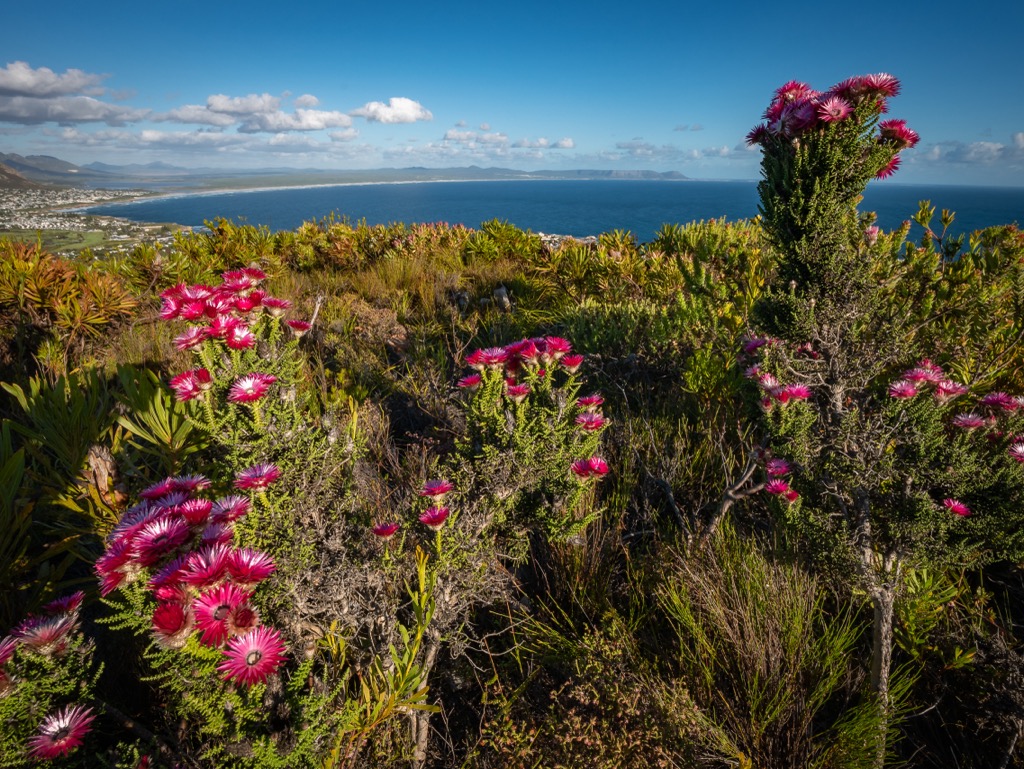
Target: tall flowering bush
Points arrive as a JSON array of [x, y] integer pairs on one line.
[[887, 467]]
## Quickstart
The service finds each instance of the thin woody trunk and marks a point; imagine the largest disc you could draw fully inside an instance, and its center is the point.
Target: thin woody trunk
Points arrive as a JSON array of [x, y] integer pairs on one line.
[[882, 599], [419, 721]]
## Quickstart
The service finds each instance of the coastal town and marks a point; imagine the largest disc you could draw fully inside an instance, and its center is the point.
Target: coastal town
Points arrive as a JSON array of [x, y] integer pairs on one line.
[[55, 216]]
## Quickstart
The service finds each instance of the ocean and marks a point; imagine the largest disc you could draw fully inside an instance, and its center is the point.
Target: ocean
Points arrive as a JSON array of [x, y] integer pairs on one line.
[[577, 208]]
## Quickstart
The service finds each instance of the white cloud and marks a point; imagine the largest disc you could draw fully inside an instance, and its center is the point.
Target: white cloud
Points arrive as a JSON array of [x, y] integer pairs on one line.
[[399, 109], [344, 136], [19, 79], [540, 143], [307, 100], [199, 114], [565, 143], [485, 126], [1018, 140], [300, 120], [252, 104], [463, 137], [65, 110], [473, 139], [983, 153]]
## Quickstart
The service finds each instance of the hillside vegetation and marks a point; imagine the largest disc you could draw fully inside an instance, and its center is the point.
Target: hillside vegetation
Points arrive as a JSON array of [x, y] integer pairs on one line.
[[748, 495]]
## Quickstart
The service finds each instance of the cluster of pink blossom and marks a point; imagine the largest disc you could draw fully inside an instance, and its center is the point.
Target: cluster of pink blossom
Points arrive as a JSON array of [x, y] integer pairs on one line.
[[797, 109], [537, 356], [776, 469], [181, 542], [589, 469], [49, 634], [924, 376], [433, 517]]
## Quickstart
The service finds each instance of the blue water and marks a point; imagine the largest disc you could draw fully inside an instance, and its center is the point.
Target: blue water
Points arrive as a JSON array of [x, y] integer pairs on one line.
[[577, 208]]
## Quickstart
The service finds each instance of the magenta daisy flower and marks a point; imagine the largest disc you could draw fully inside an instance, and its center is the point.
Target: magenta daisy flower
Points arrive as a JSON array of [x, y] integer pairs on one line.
[[172, 624], [834, 109], [195, 512], [206, 567], [882, 83], [436, 489], [794, 90], [221, 326], [969, 421], [555, 347], [589, 402], [434, 517], [476, 360], [922, 376], [219, 304], [157, 490], [590, 421], [276, 307], [1016, 450], [889, 168], [46, 635], [898, 134], [871, 235], [794, 392], [239, 338], [212, 609], [250, 387], [757, 135], [517, 392], [493, 356], [752, 345], [193, 337], [946, 390], [246, 303], [386, 530], [218, 533], [189, 483], [471, 382], [571, 363], [198, 291], [241, 619], [998, 400], [257, 477], [585, 469], [7, 647], [158, 539], [68, 604], [247, 567], [229, 508], [957, 507], [299, 327], [170, 308], [170, 574], [60, 733], [192, 309], [251, 658], [902, 389], [776, 486], [768, 382], [776, 468]]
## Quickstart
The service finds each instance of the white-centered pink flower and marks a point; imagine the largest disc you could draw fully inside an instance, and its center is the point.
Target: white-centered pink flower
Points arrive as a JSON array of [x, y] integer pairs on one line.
[[250, 387], [957, 507]]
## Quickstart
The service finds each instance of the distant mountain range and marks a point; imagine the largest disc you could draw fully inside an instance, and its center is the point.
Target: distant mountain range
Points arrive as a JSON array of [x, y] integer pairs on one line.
[[21, 171]]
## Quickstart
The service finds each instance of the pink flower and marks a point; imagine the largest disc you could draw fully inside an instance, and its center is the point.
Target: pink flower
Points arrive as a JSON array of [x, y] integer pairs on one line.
[[923, 375], [46, 635], [902, 389], [68, 604], [517, 392], [247, 567], [871, 235], [299, 327], [834, 109], [434, 517], [250, 387], [276, 307], [158, 539], [555, 347], [946, 390], [795, 392], [60, 733], [589, 402], [196, 512], [193, 337], [239, 338], [777, 467], [896, 132], [998, 400], [494, 356], [794, 90], [757, 135], [791, 496], [192, 309], [584, 469], [889, 168], [436, 489], [957, 507], [591, 421], [191, 384], [969, 421], [882, 83], [572, 363], [776, 486], [212, 609], [252, 658], [386, 530], [471, 382], [753, 344], [206, 567], [1016, 450], [229, 509], [257, 477], [170, 574], [221, 326], [476, 360], [189, 483], [172, 624]]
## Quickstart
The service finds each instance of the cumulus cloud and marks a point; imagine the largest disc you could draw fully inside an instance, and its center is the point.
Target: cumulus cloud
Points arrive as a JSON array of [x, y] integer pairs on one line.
[[399, 109], [243, 105], [344, 136], [1018, 140], [485, 126], [688, 127], [307, 100], [532, 144], [473, 138], [19, 79], [198, 114], [565, 143], [984, 153], [65, 110]]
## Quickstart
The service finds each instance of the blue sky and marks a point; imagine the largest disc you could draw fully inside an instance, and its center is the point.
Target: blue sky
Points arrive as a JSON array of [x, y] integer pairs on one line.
[[669, 86]]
